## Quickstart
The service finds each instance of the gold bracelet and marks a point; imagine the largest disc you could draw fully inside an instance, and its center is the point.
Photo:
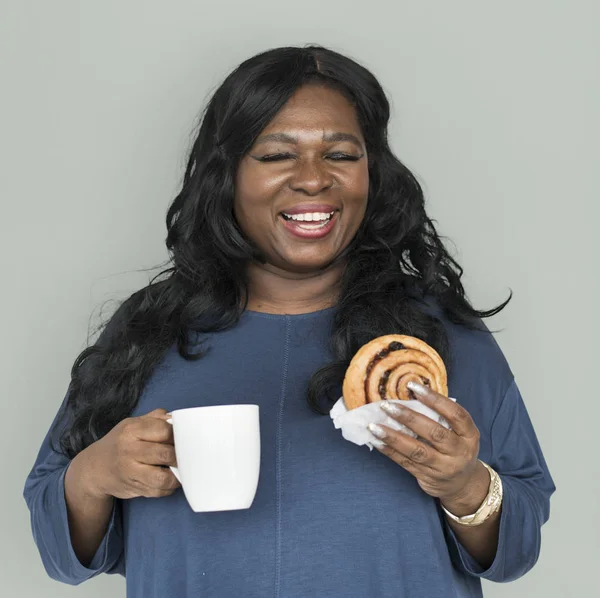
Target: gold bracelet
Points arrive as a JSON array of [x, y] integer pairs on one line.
[[489, 506]]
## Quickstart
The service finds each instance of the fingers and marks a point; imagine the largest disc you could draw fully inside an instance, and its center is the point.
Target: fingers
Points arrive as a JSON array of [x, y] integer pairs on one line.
[[151, 428], [459, 419], [158, 414], [401, 459], [153, 481], [440, 459], [441, 438], [154, 453], [410, 453], [437, 450]]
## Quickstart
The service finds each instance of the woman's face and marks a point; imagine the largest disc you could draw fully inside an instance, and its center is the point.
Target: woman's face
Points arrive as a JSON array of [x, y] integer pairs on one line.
[[301, 191]]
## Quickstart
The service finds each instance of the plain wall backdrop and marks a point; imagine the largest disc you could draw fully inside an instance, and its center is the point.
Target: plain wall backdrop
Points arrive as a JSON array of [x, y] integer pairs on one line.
[[495, 109]]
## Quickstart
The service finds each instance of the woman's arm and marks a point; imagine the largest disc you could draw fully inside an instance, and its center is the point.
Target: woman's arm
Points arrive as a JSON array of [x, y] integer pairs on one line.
[[74, 515], [527, 486], [480, 541], [89, 513], [506, 546], [45, 493]]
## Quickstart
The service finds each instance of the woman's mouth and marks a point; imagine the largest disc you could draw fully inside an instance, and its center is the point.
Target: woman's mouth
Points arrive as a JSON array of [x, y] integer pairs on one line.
[[310, 225]]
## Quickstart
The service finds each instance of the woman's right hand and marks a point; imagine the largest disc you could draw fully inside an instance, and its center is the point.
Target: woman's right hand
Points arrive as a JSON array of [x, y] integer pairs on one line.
[[131, 460]]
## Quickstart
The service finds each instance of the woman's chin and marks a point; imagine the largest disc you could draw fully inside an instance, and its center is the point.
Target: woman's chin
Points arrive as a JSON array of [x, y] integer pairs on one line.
[[309, 266]]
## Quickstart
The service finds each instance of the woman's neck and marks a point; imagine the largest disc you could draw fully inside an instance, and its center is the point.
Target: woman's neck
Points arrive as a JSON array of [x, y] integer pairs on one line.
[[274, 291]]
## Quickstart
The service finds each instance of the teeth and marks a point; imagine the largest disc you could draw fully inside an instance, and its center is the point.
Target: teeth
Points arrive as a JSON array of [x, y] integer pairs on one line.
[[313, 225], [309, 217]]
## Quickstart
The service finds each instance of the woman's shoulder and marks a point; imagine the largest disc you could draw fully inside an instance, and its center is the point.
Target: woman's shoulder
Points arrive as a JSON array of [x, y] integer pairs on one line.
[[475, 357]]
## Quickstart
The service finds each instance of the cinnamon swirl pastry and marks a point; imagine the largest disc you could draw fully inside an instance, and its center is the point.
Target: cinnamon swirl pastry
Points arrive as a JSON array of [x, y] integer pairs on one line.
[[382, 368]]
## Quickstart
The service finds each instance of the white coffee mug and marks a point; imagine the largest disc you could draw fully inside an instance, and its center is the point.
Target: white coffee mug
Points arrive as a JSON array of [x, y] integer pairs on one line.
[[218, 455]]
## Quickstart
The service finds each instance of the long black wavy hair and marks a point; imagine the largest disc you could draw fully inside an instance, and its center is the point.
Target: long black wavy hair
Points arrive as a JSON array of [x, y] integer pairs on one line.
[[396, 263]]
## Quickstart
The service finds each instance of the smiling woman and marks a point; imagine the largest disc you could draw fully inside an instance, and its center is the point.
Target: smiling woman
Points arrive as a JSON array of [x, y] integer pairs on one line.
[[309, 165], [297, 238]]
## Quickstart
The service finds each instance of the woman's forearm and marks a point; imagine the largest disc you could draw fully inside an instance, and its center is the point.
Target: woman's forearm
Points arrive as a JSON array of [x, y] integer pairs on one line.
[[89, 513], [480, 541]]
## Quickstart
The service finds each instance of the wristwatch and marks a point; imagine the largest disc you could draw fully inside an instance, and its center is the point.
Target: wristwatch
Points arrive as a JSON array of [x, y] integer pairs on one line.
[[489, 506]]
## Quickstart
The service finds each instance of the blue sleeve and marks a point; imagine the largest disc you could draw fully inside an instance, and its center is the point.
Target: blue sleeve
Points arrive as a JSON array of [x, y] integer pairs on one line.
[[44, 494], [516, 455]]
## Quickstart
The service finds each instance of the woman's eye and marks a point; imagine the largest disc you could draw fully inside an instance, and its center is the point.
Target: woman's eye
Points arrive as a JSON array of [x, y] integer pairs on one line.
[[275, 157], [338, 156]]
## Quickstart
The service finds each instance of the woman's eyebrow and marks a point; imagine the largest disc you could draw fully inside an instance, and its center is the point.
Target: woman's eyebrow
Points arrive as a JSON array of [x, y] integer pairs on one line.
[[330, 137]]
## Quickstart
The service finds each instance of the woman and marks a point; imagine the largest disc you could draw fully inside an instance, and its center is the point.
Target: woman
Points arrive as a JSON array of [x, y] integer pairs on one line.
[[297, 237]]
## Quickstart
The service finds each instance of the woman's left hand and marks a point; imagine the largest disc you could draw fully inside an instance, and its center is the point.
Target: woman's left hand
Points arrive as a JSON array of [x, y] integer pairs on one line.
[[443, 461]]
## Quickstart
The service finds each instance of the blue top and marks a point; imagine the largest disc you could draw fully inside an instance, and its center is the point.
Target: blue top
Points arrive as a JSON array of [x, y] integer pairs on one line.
[[330, 518]]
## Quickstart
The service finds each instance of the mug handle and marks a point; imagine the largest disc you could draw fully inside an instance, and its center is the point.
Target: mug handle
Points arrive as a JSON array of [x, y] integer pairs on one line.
[[171, 467]]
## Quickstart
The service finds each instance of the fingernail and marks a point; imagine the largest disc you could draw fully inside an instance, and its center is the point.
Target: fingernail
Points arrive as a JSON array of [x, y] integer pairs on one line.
[[378, 443], [392, 408], [377, 430], [418, 388]]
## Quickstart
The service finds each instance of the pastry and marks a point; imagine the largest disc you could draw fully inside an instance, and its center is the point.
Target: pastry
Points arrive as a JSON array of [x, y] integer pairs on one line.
[[382, 368]]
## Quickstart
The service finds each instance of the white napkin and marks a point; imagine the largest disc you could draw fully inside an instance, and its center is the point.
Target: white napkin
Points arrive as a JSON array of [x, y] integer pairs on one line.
[[354, 422]]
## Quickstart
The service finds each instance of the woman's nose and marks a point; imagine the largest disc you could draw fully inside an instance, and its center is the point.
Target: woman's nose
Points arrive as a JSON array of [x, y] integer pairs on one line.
[[311, 177]]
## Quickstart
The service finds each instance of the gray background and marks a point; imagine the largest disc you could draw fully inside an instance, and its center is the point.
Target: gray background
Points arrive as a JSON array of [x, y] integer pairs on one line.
[[495, 108]]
